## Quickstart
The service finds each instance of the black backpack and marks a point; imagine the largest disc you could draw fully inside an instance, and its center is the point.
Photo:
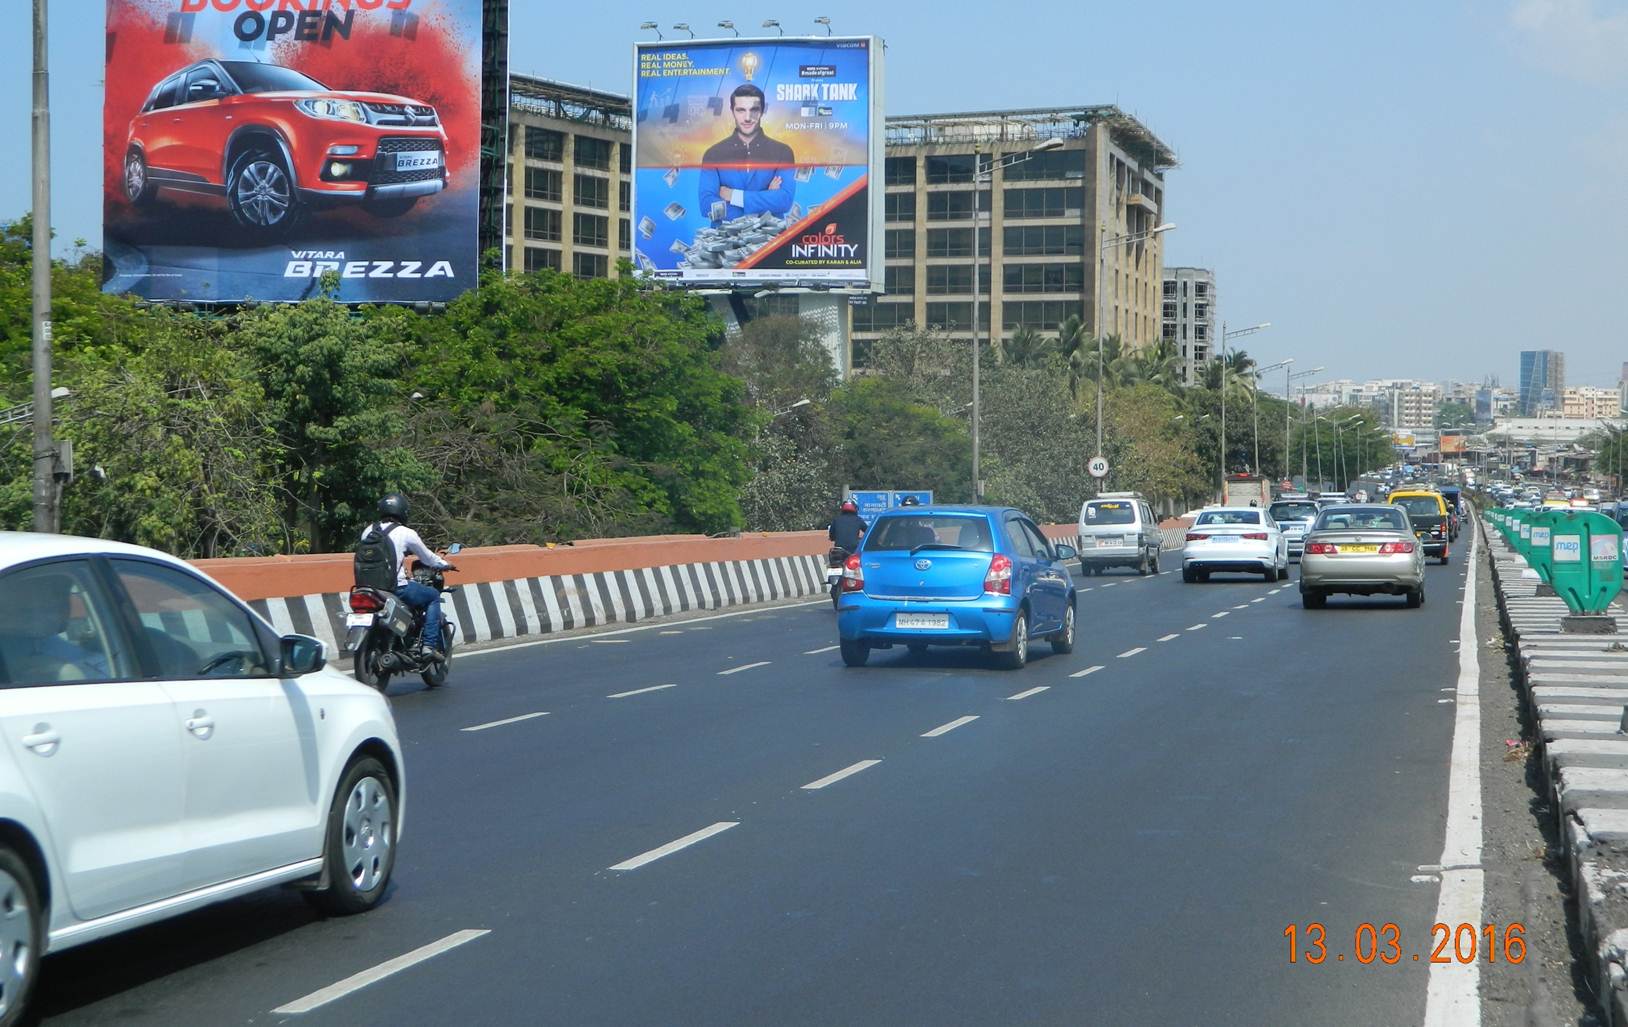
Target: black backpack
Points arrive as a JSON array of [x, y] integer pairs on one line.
[[376, 558]]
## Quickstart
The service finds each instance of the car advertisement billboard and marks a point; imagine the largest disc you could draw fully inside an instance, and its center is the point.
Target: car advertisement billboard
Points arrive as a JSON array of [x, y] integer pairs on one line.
[[753, 161], [250, 147]]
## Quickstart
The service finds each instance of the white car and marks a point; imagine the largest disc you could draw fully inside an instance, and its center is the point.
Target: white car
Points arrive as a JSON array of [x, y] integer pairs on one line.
[[164, 749], [1234, 538]]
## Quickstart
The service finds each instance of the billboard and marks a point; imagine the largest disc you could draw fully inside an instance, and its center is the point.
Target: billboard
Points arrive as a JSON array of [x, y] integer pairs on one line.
[[250, 147], [753, 161]]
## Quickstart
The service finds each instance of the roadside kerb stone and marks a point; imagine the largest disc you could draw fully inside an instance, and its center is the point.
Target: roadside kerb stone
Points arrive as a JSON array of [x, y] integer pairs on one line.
[[1600, 753], [1592, 788]]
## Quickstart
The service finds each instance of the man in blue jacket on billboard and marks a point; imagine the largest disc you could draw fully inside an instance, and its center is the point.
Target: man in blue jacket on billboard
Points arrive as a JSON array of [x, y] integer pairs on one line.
[[747, 173]]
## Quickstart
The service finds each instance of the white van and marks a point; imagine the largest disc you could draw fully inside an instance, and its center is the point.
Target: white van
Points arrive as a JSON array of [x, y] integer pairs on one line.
[[1118, 529]]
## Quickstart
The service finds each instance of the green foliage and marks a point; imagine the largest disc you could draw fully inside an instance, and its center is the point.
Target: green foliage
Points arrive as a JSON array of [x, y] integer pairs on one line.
[[889, 438], [782, 360], [1455, 414]]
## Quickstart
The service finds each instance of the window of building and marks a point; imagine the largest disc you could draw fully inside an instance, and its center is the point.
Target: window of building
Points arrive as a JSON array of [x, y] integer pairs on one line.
[[590, 265], [881, 317], [949, 168], [540, 257], [1056, 202], [955, 242], [542, 184], [593, 153], [1169, 289], [1041, 315], [545, 144], [624, 153], [899, 279], [1170, 311], [1045, 240], [590, 229], [901, 206], [901, 171], [1201, 288], [949, 279], [591, 191], [624, 234], [1198, 331], [1043, 277], [542, 223], [1201, 309], [899, 242], [956, 315], [624, 196], [1053, 164], [954, 206]]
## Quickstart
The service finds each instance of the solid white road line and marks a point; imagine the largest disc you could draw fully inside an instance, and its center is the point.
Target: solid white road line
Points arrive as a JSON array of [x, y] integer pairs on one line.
[[831, 779], [944, 729], [378, 973], [816, 652], [1088, 670], [1024, 695], [1454, 995], [640, 691], [1133, 652], [745, 666], [1198, 627], [671, 847], [1166, 638], [500, 723]]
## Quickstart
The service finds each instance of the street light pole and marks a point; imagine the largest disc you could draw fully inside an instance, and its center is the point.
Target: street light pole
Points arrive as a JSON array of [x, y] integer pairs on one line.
[[1288, 408], [45, 450], [1255, 396], [1102, 251], [978, 174], [1225, 335]]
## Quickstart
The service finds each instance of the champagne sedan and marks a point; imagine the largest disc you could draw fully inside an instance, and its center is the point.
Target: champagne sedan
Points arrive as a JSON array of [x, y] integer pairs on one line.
[[1361, 550]]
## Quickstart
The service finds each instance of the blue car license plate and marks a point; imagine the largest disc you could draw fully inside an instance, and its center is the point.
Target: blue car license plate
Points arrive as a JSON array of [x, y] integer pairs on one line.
[[938, 621]]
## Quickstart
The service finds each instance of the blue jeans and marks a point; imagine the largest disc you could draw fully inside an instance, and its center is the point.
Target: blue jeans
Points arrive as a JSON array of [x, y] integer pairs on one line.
[[423, 597]]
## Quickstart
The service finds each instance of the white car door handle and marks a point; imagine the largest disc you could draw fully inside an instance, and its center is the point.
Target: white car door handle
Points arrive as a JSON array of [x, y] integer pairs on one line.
[[201, 725], [43, 741]]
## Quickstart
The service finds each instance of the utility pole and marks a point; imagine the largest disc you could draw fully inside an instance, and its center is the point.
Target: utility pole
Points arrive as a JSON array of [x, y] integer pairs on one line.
[[45, 450]]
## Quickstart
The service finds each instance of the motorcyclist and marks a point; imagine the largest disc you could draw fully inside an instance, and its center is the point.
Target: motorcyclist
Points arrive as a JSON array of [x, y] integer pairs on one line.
[[847, 528], [392, 523]]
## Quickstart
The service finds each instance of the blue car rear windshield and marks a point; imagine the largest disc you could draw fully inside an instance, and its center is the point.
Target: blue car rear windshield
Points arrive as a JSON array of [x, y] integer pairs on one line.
[[946, 531]]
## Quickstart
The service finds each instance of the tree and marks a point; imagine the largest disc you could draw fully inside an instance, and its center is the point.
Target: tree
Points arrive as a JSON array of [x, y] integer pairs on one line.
[[782, 360], [1148, 450], [1455, 414], [887, 437], [1026, 348]]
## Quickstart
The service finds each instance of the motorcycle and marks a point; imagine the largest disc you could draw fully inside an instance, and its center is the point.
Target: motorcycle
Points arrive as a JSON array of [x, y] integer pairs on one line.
[[382, 632], [835, 558]]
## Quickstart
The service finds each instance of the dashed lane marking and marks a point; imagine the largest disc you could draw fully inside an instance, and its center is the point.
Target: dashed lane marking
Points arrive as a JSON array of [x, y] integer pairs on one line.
[[610, 641], [944, 729], [1132, 652], [816, 652], [1197, 627], [1088, 670], [831, 779], [744, 666], [1218, 616], [501, 723], [1262, 599], [671, 847], [1166, 638], [1024, 695], [356, 982], [640, 691], [1241, 606]]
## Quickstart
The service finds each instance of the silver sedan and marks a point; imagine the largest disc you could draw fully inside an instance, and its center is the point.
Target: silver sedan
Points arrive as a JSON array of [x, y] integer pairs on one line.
[[1361, 550]]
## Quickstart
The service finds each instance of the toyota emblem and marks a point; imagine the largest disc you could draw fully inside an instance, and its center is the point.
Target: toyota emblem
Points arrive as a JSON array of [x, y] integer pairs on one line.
[[922, 565]]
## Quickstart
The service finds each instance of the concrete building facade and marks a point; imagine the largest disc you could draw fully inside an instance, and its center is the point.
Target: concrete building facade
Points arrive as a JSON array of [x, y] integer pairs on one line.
[[1188, 317], [1050, 227], [1590, 402]]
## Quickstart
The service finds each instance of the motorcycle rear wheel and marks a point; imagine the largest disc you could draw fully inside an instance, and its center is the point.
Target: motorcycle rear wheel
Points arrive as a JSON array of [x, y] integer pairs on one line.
[[435, 675], [366, 663]]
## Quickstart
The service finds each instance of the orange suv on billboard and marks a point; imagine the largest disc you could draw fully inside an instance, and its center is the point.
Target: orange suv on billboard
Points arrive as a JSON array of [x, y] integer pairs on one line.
[[277, 144]]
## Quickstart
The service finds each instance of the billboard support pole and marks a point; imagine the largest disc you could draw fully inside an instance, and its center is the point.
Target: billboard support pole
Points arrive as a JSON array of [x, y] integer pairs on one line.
[[45, 452], [977, 178]]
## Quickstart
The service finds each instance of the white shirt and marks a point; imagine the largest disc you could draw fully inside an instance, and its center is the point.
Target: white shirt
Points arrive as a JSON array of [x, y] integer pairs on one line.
[[405, 540]]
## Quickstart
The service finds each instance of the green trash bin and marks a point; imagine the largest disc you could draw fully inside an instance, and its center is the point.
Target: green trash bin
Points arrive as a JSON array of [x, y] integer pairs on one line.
[[1585, 564]]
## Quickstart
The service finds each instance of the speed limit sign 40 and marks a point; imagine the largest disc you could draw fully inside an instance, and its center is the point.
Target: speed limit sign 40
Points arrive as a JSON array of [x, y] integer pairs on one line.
[[1098, 467]]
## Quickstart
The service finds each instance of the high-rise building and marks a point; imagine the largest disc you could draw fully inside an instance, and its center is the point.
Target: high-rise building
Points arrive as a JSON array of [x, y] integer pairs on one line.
[[1050, 225], [1543, 376], [1590, 402], [1188, 317]]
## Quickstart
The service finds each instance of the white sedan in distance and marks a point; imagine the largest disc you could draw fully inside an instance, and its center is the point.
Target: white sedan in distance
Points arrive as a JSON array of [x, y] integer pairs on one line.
[[1242, 539], [166, 749]]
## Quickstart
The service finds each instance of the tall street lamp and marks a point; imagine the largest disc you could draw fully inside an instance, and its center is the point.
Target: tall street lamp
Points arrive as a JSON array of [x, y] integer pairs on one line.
[[1287, 378], [1340, 468], [1225, 335], [979, 174], [1102, 250], [1255, 397]]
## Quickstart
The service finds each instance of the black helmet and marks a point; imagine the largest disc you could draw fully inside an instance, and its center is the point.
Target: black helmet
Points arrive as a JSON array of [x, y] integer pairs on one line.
[[394, 505], [910, 501]]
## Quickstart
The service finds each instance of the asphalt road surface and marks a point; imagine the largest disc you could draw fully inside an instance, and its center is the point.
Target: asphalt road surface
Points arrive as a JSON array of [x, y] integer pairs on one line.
[[1121, 835]]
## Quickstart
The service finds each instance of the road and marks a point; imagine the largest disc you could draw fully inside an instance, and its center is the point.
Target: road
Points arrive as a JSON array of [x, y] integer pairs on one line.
[[1211, 764]]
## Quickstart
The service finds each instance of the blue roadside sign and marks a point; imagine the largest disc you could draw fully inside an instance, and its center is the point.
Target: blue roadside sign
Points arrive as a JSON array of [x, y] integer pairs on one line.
[[874, 501]]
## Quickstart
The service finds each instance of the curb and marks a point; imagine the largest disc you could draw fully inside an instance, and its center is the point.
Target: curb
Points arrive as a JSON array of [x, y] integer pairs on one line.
[[1576, 689]]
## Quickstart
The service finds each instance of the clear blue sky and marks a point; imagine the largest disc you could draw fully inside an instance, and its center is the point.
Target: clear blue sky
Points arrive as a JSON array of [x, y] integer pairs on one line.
[[1404, 189]]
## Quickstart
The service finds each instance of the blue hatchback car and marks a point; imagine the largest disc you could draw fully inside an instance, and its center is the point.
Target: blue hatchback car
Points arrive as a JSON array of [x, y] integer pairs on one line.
[[956, 575]]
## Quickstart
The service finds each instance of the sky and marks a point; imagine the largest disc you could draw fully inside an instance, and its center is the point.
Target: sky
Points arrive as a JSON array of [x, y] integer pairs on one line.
[[1403, 188]]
